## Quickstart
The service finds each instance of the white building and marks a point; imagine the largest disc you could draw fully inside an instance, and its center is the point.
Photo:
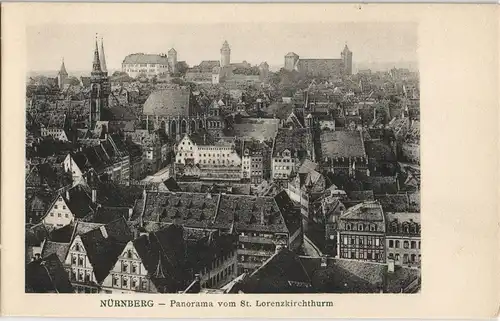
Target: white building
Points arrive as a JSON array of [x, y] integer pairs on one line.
[[150, 64], [213, 155]]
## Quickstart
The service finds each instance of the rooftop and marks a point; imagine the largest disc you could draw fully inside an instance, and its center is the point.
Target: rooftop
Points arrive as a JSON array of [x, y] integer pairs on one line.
[[336, 144]]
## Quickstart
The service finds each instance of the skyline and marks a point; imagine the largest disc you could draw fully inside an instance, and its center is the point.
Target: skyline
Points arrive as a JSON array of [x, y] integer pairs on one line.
[[371, 43]]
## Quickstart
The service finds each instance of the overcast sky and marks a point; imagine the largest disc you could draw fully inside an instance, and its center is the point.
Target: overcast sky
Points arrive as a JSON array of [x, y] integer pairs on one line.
[[378, 43]]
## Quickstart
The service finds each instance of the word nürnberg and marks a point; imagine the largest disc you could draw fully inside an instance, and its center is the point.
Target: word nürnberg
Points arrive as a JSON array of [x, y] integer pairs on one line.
[[111, 303]]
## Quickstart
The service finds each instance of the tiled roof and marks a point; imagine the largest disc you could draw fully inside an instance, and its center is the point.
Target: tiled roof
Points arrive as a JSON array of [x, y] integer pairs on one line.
[[140, 58], [79, 202], [168, 102], [282, 273], [106, 214], [297, 141], [382, 184], [291, 212], [342, 144], [116, 195], [163, 255], [215, 211], [103, 246], [353, 276], [47, 276], [60, 249], [394, 202], [361, 195]]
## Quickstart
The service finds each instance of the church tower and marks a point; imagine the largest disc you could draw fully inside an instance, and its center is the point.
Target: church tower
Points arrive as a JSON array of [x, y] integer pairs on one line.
[[62, 76], [225, 54], [172, 60], [99, 87], [346, 56]]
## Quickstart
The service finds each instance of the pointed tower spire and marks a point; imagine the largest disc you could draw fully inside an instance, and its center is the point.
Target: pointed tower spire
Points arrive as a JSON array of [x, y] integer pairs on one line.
[[63, 71], [102, 57], [96, 64]]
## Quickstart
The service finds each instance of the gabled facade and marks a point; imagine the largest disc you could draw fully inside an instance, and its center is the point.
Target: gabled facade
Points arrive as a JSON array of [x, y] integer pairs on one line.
[[59, 214], [129, 275], [79, 268]]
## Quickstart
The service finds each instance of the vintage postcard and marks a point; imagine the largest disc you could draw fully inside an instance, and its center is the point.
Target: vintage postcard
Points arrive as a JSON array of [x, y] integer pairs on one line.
[[186, 160]]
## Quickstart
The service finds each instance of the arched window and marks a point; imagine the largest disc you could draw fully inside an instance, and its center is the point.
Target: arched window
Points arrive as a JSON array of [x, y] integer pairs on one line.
[[348, 226], [360, 227], [397, 244], [391, 256], [391, 243], [397, 256], [413, 256], [413, 244], [405, 258], [405, 244]]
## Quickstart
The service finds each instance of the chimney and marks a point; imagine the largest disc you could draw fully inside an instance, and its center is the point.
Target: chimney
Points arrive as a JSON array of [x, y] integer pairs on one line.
[[262, 216], [104, 232], [94, 195], [130, 211], [324, 261], [390, 266], [67, 194]]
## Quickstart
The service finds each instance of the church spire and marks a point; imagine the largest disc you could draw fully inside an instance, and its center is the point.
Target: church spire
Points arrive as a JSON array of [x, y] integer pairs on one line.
[[102, 57], [63, 71], [159, 269], [96, 64]]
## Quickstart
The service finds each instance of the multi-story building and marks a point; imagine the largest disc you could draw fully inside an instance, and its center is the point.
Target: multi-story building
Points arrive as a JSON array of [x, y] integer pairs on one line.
[[254, 156], [344, 152], [213, 160], [290, 148], [361, 233], [150, 65], [262, 223], [57, 127], [403, 238]]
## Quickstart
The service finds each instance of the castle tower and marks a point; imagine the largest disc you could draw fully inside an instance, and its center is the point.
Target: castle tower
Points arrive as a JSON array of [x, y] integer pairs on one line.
[[102, 58], [291, 60], [172, 60], [346, 56], [62, 76], [99, 88], [225, 54]]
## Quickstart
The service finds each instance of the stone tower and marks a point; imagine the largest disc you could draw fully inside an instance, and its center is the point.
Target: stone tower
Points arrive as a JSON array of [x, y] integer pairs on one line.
[[225, 54], [172, 60], [291, 60], [99, 89], [62, 76], [346, 56]]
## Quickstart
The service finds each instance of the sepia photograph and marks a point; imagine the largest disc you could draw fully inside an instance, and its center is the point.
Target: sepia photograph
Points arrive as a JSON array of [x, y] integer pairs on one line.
[[223, 158]]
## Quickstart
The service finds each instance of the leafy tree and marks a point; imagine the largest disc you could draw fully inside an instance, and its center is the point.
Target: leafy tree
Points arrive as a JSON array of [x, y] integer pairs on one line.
[[73, 81]]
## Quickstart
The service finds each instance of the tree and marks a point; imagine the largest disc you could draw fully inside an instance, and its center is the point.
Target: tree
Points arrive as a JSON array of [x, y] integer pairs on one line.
[[73, 81]]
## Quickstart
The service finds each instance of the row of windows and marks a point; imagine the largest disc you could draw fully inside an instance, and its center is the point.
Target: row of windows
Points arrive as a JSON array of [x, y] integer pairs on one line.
[[127, 282], [85, 289], [361, 255], [129, 268], [406, 228], [80, 275], [406, 258], [360, 227], [222, 275], [278, 160], [77, 260], [406, 244], [280, 175], [282, 167], [257, 246], [63, 207], [251, 259], [60, 215], [362, 240]]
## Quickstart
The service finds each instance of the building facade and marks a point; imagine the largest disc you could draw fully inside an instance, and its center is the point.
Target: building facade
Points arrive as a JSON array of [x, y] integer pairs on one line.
[[150, 65], [361, 233], [403, 239], [315, 67]]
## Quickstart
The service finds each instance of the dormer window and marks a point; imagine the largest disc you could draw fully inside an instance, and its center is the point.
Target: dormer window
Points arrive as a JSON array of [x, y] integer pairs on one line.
[[286, 153], [360, 227], [348, 227]]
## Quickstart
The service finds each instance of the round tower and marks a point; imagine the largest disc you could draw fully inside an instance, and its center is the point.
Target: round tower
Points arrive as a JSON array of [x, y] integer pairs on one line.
[[225, 54], [172, 60]]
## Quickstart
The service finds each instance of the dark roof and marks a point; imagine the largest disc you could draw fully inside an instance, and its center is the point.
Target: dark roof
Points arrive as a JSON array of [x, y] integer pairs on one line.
[[382, 184], [60, 249], [291, 212], [282, 273], [171, 185], [394, 202], [365, 212], [47, 276], [297, 141], [79, 202], [104, 244], [117, 195], [342, 144], [106, 214], [168, 102], [163, 255], [35, 235]]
